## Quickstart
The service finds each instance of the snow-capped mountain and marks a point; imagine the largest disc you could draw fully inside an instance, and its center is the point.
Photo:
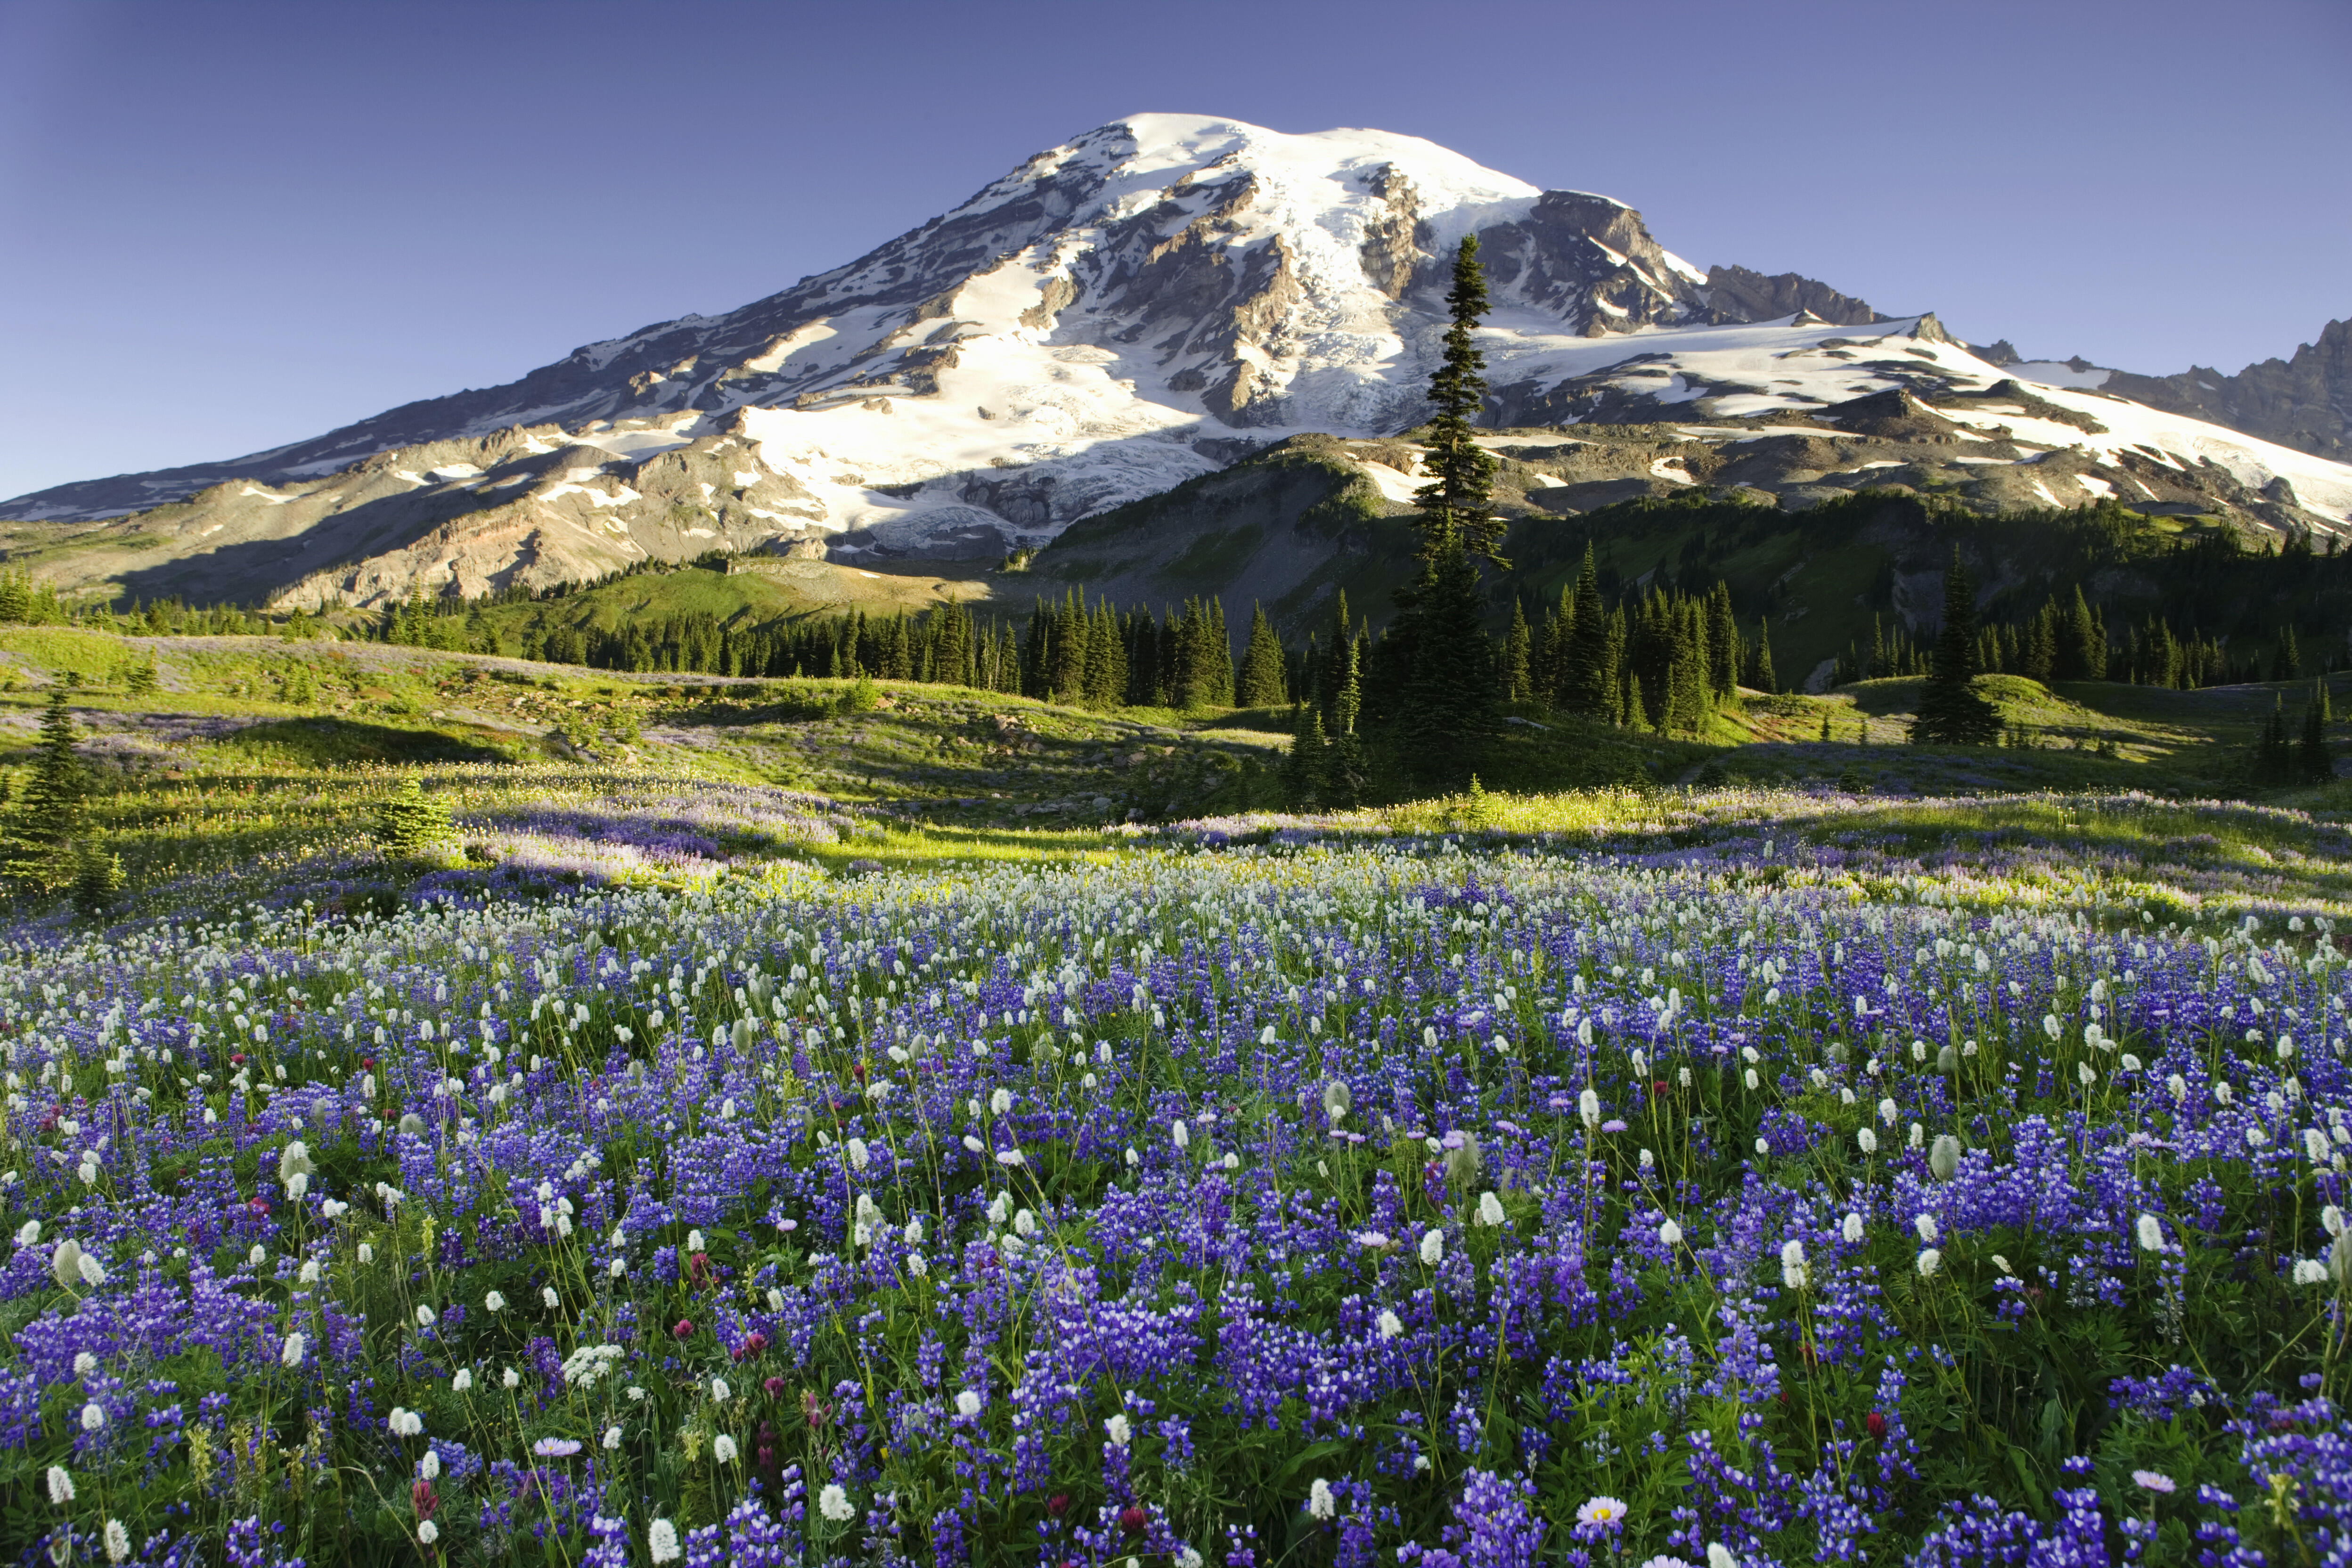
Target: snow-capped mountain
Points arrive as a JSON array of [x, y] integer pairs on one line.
[[2303, 401], [1117, 315]]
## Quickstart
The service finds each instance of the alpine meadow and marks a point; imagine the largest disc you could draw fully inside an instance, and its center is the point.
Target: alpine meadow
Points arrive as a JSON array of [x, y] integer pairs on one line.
[[1268, 852]]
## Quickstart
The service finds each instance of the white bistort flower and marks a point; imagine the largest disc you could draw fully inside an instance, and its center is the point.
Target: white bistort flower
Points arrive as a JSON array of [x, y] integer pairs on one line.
[[661, 1538], [834, 1505], [1320, 1503], [1793, 1273]]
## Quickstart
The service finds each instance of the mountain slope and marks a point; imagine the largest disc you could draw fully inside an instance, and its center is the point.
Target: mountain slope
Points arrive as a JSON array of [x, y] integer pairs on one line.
[[1118, 315], [2304, 401]]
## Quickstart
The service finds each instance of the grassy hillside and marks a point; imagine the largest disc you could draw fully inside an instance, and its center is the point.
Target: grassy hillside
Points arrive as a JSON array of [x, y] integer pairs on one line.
[[249, 755]]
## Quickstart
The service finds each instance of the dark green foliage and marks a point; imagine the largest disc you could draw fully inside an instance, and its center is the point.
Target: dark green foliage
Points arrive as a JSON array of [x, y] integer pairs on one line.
[[409, 823], [1434, 692], [2313, 760], [1722, 643], [25, 602], [1759, 673], [1263, 682], [1589, 684], [98, 881], [1518, 661], [2273, 765], [1440, 687], [1951, 712], [2082, 644], [1302, 770], [1322, 771], [52, 815], [1458, 502], [2286, 662]]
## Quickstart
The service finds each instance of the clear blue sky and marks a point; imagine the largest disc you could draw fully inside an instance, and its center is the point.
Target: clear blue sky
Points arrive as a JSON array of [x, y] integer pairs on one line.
[[225, 226]]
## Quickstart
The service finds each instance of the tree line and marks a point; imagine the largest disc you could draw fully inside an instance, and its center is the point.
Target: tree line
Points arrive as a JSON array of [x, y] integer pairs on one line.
[[2069, 639]]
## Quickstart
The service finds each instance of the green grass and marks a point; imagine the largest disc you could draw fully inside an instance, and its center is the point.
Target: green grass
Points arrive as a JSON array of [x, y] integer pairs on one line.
[[258, 754]]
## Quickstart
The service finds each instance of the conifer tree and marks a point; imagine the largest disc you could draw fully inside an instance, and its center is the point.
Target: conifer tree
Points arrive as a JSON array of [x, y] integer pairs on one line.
[[1220, 655], [2273, 762], [1262, 681], [98, 881], [1589, 681], [50, 815], [1765, 679], [1550, 673], [1951, 712], [1349, 703], [2312, 758], [1302, 770], [2287, 663], [1457, 501], [1330, 674], [2082, 650], [1518, 658], [1439, 683], [2041, 654], [1722, 643], [1106, 678]]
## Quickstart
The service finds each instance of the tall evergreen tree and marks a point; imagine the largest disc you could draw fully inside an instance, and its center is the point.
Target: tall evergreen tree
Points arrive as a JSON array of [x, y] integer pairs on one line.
[[1589, 684], [1106, 678], [1518, 658], [1303, 769], [2273, 762], [2287, 663], [1349, 703], [1722, 643], [1951, 712], [1550, 675], [1262, 681], [1436, 658], [1765, 679], [2313, 758], [1330, 673], [1458, 502], [2082, 645], [1220, 655], [50, 816]]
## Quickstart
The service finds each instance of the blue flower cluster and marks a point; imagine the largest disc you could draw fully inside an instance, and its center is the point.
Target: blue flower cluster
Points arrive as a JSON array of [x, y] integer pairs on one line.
[[1400, 1201]]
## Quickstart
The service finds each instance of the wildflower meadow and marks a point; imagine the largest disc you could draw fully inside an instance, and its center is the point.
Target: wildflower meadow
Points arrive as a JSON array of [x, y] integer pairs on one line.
[[1432, 1198]]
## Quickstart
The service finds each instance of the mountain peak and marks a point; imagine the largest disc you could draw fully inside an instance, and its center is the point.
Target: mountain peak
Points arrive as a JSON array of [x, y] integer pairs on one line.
[[1112, 316]]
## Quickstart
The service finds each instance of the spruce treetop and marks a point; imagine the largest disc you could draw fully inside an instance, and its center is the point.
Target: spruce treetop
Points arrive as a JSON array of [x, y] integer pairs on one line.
[[1456, 505]]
